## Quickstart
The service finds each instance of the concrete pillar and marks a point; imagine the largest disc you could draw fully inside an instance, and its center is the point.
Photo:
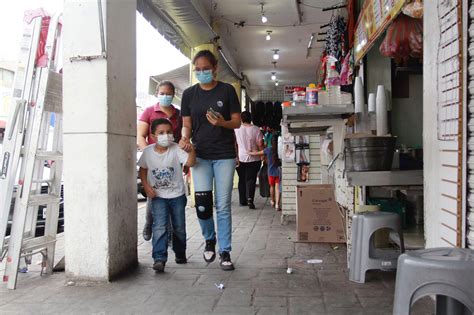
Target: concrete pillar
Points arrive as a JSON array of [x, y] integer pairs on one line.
[[99, 140]]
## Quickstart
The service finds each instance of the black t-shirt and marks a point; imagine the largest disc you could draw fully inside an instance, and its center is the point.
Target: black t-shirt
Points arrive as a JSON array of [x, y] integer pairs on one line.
[[212, 142]]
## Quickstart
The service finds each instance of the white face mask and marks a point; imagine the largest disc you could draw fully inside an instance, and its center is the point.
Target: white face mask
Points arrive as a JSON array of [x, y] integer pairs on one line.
[[165, 140]]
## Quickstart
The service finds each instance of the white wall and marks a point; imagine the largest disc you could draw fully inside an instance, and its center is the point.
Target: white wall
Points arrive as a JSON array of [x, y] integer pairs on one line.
[[430, 125]]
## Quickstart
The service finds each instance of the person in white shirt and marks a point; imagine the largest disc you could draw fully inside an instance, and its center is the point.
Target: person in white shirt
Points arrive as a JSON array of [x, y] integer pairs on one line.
[[161, 174], [249, 138]]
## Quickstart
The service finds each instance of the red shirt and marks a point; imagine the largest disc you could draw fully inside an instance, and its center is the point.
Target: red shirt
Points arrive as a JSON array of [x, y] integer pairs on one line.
[[154, 112]]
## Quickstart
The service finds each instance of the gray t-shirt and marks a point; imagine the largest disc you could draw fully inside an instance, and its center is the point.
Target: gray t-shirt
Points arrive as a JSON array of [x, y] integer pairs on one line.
[[165, 170]]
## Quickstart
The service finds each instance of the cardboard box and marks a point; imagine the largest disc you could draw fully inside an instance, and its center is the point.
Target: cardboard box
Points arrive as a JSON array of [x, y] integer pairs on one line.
[[318, 217]]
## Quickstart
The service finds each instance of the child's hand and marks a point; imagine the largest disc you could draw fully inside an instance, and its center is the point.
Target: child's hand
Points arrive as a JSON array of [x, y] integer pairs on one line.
[[185, 144], [150, 192], [252, 153]]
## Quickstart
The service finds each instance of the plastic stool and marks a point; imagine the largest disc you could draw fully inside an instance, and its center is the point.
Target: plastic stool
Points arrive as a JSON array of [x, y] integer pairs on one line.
[[364, 255], [447, 273]]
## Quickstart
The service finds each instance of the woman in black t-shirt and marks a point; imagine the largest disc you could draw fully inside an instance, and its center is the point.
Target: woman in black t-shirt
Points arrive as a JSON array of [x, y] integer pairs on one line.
[[211, 112]]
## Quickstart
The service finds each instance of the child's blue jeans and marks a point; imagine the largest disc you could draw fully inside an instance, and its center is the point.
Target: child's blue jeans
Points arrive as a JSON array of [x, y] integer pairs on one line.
[[163, 210]]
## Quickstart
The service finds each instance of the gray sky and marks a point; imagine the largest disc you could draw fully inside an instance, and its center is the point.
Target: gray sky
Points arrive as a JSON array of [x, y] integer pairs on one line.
[[155, 55]]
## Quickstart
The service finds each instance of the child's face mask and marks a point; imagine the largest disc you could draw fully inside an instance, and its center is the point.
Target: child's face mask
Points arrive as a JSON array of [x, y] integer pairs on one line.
[[164, 140]]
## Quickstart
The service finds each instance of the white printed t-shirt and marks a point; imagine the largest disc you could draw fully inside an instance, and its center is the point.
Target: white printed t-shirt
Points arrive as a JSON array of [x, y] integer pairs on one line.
[[165, 170]]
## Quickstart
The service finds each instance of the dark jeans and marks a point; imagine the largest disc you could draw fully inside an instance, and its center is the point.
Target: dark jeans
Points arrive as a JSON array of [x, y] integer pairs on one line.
[[163, 210], [247, 179]]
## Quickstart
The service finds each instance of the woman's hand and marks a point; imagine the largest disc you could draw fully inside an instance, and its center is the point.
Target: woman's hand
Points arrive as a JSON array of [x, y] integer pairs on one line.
[[150, 192], [216, 120], [185, 144], [253, 153]]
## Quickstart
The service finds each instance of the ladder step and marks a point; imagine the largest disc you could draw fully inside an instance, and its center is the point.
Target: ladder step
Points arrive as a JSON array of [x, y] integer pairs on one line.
[[49, 155], [37, 243], [43, 199]]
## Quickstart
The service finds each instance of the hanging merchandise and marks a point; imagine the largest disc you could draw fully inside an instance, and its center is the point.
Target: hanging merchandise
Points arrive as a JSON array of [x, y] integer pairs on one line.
[[268, 116], [277, 116], [350, 22], [335, 40], [403, 39], [322, 70], [303, 173], [258, 114], [414, 9], [347, 69]]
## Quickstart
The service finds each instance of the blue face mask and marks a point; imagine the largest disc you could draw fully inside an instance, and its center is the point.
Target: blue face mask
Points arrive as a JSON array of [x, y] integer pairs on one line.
[[204, 77], [165, 100]]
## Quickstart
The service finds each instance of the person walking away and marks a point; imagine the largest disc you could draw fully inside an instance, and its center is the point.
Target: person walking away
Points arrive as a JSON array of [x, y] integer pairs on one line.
[[211, 112], [249, 138], [161, 175], [273, 162], [163, 109]]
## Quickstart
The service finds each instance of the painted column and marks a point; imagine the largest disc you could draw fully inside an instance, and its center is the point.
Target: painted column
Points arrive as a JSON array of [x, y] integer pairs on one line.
[[99, 139]]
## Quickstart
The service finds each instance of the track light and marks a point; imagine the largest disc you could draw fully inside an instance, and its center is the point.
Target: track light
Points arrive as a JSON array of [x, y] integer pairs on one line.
[[274, 76], [268, 37], [262, 12], [276, 83], [276, 56]]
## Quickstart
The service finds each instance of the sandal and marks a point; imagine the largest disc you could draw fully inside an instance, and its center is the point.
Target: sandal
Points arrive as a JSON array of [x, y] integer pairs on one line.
[[210, 251]]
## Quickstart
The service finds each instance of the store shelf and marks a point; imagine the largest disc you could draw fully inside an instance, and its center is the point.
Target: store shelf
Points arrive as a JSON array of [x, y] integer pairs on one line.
[[302, 112], [387, 178]]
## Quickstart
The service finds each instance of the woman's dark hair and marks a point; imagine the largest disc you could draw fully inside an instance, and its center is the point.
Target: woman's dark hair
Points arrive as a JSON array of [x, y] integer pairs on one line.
[[246, 117], [166, 83], [206, 54], [274, 142], [160, 121]]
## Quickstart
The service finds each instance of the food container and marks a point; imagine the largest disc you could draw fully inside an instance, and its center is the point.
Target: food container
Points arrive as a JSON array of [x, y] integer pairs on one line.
[[299, 94], [369, 153], [311, 95]]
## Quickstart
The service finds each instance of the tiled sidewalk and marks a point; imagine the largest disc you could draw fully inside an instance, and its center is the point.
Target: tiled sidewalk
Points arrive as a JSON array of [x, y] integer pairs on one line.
[[262, 251]]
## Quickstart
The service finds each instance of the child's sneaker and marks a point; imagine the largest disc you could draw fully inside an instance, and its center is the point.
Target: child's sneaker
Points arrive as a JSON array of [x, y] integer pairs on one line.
[[181, 260], [159, 266], [225, 263]]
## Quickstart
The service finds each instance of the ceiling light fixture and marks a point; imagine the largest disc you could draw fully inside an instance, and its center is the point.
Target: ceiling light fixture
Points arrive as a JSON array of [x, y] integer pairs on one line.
[[276, 56], [268, 37], [276, 83], [262, 12], [274, 76]]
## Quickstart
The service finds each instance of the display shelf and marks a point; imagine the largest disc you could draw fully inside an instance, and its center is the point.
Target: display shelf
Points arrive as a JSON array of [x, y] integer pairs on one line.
[[301, 112], [386, 178]]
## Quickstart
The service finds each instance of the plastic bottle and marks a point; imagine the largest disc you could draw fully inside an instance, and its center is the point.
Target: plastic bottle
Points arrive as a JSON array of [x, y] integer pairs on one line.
[[333, 82], [311, 95]]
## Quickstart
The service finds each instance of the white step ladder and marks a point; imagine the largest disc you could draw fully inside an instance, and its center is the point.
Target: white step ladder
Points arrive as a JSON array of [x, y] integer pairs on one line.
[[27, 147]]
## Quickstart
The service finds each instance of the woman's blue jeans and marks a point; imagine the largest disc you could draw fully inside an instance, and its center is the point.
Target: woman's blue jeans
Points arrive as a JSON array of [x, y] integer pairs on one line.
[[219, 174]]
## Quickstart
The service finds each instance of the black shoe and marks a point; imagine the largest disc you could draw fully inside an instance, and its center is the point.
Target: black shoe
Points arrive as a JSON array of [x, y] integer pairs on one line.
[[243, 204], [225, 262], [181, 260], [210, 251], [159, 266], [251, 204], [147, 232]]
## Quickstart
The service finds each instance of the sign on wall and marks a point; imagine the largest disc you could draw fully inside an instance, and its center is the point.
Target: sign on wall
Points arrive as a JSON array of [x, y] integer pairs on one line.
[[374, 18]]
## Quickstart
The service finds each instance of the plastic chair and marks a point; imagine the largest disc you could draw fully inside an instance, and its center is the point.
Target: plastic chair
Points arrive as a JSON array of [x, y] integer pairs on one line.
[[364, 255]]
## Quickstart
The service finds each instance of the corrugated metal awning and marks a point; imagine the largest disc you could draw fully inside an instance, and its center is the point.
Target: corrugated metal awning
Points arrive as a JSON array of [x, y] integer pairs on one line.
[[186, 25], [179, 77]]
